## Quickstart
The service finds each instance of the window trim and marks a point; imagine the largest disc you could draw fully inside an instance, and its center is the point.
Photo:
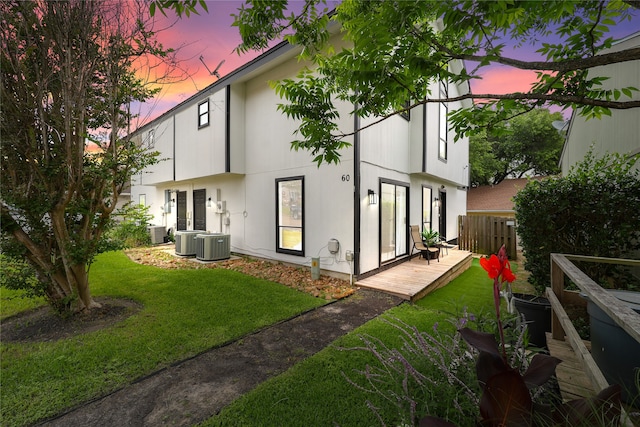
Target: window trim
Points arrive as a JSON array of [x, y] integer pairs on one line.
[[201, 115], [151, 143], [406, 114], [443, 143], [279, 226], [407, 212]]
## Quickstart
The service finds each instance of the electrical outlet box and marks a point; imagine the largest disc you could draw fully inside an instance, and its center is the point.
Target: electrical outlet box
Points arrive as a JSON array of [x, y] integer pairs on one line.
[[348, 256], [334, 246]]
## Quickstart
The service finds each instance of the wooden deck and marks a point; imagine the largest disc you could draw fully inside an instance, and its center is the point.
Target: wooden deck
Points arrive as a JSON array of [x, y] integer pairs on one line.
[[414, 279], [572, 379]]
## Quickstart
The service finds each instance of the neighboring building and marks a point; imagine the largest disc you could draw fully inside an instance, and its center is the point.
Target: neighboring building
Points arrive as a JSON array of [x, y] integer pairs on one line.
[[495, 200], [619, 132], [229, 168]]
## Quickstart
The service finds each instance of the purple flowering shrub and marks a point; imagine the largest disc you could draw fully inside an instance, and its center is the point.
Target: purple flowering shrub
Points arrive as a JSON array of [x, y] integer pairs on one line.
[[431, 372], [469, 377]]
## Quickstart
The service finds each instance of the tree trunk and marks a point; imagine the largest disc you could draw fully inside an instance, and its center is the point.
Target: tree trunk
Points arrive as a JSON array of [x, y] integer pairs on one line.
[[85, 301]]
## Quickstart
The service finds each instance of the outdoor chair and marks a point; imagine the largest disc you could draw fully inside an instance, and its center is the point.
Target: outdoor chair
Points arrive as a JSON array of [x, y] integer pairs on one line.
[[421, 246], [443, 244]]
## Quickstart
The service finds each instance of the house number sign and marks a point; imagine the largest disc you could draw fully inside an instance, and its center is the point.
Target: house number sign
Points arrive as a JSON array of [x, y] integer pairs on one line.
[[346, 178]]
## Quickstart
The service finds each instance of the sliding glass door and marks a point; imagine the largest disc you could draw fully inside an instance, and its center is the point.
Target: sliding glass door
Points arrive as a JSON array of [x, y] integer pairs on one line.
[[393, 221]]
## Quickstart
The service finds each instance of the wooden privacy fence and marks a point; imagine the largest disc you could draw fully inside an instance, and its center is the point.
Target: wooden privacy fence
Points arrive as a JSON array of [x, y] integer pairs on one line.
[[486, 234]]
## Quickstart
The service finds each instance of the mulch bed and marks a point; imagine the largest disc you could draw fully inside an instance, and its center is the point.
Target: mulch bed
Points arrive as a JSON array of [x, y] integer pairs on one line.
[[298, 278]]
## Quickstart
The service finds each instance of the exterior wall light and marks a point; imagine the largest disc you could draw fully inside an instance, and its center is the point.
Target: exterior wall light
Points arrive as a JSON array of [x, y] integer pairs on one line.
[[209, 202], [373, 197]]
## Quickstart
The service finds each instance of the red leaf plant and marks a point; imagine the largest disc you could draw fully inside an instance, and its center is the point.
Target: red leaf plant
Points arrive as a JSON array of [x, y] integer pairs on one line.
[[506, 398]]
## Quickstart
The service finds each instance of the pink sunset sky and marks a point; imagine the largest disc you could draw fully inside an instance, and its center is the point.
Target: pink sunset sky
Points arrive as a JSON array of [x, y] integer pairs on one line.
[[211, 36]]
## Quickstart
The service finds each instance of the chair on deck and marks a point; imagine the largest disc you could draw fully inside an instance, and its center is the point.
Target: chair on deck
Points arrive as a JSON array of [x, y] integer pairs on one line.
[[418, 244], [443, 244]]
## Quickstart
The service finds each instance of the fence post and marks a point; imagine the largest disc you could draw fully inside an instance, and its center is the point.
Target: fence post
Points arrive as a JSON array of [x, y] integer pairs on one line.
[[557, 286]]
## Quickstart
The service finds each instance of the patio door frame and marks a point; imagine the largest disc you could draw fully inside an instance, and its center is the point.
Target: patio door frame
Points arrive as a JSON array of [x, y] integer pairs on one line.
[[400, 237], [181, 210], [200, 209]]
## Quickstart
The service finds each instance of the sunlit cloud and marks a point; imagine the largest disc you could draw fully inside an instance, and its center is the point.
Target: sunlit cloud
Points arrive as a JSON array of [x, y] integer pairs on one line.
[[211, 36], [500, 80]]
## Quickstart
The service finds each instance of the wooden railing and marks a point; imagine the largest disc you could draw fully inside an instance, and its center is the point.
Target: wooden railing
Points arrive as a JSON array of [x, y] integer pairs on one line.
[[561, 325]]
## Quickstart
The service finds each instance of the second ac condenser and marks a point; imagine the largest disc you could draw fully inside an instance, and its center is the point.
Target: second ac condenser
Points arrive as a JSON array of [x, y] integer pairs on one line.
[[213, 247]]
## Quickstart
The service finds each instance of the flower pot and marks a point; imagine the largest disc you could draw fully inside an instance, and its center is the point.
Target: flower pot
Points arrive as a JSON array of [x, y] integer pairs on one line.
[[616, 353], [537, 313]]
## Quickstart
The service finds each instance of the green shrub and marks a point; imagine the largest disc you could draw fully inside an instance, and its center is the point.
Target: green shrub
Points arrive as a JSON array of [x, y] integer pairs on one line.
[[17, 274], [594, 210], [130, 228]]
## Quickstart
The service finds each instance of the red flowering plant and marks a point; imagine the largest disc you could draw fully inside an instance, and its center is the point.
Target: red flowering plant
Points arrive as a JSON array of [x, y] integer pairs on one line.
[[506, 397]]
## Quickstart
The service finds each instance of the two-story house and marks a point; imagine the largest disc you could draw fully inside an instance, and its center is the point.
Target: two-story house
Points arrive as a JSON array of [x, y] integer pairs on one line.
[[228, 167]]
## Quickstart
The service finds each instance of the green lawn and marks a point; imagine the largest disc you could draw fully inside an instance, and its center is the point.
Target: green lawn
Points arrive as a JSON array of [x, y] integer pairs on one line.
[[184, 312], [315, 392], [188, 311]]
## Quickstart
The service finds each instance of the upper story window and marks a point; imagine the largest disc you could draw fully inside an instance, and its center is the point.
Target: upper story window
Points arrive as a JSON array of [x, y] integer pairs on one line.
[[443, 123], [290, 215], [406, 114], [203, 114], [152, 139]]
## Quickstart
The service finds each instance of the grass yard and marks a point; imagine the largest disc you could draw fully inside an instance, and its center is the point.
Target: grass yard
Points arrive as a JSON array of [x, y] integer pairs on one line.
[[184, 313], [316, 393]]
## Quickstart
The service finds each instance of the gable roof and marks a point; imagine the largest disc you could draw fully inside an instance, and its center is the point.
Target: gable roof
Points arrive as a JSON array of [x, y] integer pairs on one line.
[[497, 197]]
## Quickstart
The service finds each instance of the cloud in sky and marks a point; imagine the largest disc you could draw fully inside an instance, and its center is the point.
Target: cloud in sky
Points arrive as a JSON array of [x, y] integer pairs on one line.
[[211, 36], [500, 80]]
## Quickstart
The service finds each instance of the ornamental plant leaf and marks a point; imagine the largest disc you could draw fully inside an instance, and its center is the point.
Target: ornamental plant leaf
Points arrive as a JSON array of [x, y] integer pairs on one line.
[[506, 401], [540, 370]]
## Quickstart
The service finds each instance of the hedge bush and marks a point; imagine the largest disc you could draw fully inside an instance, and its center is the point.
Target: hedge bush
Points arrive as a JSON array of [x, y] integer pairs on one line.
[[594, 210], [130, 228]]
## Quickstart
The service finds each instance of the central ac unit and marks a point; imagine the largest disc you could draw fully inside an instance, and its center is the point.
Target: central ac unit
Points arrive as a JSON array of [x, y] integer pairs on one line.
[[213, 247], [157, 233], [186, 243]]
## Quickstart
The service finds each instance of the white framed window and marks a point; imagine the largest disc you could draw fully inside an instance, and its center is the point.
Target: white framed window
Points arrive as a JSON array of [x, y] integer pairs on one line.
[[290, 215], [151, 143], [203, 114], [427, 194]]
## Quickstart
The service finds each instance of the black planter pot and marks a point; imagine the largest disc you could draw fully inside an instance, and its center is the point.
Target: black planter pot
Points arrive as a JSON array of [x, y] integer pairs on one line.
[[616, 353], [537, 313]]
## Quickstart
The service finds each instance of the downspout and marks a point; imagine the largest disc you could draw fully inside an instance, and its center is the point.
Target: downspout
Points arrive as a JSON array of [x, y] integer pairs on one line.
[[174, 148], [227, 135], [356, 192], [424, 138]]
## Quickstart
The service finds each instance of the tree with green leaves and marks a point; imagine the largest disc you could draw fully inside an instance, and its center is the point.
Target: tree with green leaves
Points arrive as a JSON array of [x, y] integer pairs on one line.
[[401, 48], [532, 147], [68, 78]]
